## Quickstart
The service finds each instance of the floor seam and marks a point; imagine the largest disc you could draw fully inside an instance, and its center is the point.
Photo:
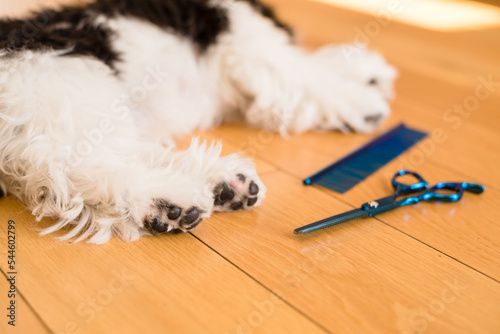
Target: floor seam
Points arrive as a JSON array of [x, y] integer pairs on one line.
[[296, 309], [44, 324], [328, 192]]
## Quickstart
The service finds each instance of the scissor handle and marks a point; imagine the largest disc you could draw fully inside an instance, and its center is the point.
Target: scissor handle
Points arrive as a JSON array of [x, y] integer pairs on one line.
[[402, 188], [457, 187]]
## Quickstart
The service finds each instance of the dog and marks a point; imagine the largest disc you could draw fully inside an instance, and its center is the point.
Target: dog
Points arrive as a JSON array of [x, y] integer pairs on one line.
[[92, 97]]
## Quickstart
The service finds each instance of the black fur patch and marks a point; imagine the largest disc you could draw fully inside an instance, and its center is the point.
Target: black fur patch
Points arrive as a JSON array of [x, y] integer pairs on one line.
[[71, 29], [75, 29], [266, 11], [194, 19]]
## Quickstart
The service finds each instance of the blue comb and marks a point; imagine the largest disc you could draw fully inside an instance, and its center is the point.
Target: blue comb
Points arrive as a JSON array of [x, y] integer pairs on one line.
[[357, 166]]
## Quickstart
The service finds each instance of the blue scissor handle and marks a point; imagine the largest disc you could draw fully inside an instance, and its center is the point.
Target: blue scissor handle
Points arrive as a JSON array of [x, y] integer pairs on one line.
[[457, 187], [390, 202], [430, 194], [402, 189]]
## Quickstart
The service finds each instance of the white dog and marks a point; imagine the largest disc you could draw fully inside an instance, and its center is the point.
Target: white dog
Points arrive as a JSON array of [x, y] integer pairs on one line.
[[91, 96]]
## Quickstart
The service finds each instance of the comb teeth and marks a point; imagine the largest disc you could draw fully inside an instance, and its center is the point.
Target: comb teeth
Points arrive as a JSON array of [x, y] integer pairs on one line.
[[357, 166]]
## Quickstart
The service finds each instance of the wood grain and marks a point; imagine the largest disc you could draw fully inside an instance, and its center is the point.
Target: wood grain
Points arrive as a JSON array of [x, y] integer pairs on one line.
[[26, 320], [173, 284], [430, 268], [363, 276]]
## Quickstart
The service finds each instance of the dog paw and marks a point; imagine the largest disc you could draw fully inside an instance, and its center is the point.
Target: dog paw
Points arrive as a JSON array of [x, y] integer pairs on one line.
[[358, 64], [166, 217], [241, 192], [354, 107]]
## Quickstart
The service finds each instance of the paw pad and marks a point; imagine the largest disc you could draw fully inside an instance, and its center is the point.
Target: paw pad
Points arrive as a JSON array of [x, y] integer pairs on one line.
[[172, 219], [223, 193], [253, 189], [241, 193]]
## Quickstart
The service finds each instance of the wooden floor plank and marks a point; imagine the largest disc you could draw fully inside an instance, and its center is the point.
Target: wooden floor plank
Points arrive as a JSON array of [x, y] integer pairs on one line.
[[171, 284], [464, 146], [453, 143], [319, 24], [448, 144], [469, 236], [473, 102], [429, 268], [25, 320], [359, 277], [439, 77], [466, 231]]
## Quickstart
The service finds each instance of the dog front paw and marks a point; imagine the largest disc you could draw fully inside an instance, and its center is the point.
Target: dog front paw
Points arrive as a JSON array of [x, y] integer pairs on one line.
[[358, 64], [241, 192]]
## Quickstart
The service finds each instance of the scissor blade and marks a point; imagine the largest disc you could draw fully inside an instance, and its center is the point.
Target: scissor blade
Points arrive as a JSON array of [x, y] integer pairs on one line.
[[341, 218]]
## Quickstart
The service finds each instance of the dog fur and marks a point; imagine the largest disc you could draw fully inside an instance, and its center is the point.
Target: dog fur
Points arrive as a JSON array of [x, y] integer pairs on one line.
[[91, 98]]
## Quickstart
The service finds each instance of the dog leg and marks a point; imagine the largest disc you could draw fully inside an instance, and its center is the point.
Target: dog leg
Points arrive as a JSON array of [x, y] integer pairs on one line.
[[272, 84], [84, 164], [199, 181], [356, 63]]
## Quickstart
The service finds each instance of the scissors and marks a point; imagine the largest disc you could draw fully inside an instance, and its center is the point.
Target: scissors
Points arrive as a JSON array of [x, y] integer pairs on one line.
[[372, 208]]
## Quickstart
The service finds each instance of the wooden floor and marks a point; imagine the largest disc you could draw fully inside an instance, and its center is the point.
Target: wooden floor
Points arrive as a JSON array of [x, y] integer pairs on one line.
[[431, 268]]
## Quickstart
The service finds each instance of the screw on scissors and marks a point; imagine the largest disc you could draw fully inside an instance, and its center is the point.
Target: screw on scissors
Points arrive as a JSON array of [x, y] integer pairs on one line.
[[391, 202]]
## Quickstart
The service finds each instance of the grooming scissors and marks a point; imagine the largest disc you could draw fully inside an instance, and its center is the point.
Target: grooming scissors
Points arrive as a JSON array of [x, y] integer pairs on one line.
[[391, 202]]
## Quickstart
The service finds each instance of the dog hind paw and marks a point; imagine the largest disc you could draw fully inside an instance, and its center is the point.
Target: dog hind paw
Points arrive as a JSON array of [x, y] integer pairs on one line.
[[172, 219]]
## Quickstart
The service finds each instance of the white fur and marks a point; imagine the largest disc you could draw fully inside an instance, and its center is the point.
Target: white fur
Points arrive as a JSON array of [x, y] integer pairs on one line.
[[91, 149]]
